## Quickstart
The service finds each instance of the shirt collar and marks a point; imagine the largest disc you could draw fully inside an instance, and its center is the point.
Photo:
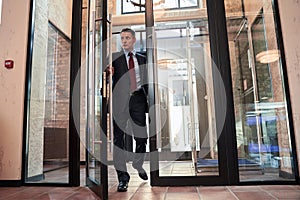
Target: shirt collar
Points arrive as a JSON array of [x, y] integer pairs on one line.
[[126, 52]]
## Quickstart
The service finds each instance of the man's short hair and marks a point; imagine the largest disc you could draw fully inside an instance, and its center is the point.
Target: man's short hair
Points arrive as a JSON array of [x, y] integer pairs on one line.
[[128, 30]]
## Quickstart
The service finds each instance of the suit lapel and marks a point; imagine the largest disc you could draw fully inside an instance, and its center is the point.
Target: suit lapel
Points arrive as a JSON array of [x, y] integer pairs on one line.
[[124, 62], [141, 67], [139, 59]]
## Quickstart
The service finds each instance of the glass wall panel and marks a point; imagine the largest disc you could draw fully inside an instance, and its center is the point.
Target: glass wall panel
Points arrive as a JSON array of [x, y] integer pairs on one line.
[[137, 6], [186, 126], [94, 84], [262, 124], [83, 88], [190, 3], [48, 103], [132, 6]]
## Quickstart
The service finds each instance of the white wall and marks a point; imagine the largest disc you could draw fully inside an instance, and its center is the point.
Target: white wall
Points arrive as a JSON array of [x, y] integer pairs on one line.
[[290, 24], [0, 10], [13, 45]]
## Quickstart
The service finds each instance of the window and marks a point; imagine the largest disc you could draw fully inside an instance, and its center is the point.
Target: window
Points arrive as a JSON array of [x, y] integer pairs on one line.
[[136, 6], [262, 125], [48, 122], [133, 6]]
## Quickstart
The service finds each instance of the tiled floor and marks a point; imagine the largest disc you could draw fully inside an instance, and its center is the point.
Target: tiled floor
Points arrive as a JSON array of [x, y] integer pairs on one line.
[[140, 190]]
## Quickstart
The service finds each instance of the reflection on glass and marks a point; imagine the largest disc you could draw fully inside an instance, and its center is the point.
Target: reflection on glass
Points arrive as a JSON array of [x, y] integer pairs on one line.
[[94, 98], [133, 6], [136, 6], [171, 4], [188, 3], [49, 109], [187, 140], [263, 136], [180, 94]]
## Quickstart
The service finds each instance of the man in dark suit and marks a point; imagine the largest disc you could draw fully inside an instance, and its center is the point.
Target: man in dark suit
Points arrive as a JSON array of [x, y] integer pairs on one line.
[[129, 106]]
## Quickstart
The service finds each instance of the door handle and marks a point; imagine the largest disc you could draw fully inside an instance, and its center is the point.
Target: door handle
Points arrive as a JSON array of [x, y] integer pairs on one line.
[[104, 91]]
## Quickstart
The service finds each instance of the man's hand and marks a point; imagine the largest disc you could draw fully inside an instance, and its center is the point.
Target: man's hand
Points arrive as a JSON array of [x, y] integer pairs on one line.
[[110, 69]]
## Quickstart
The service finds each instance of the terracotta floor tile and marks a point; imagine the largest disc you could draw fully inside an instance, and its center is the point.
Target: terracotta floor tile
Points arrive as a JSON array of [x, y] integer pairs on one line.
[[148, 196], [48, 197], [254, 195], [140, 190], [285, 194], [120, 195], [6, 192], [214, 189], [81, 196], [147, 189], [215, 194], [182, 189], [279, 187], [26, 194], [253, 188], [181, 196], [132, 189], [53, 196]]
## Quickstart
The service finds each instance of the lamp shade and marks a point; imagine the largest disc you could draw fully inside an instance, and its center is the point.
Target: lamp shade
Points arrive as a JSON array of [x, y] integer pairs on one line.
[[268, 56]]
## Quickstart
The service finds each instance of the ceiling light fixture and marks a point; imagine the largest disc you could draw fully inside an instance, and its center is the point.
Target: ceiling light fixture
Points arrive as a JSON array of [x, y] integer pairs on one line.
[[268, 56]]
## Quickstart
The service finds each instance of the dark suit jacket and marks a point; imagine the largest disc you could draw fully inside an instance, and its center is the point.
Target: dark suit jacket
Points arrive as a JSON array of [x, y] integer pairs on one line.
[[121, 77], [121, 82]]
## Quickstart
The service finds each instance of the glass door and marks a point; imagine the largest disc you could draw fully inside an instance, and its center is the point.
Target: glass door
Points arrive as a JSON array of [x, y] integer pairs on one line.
[[262, 120], [97, 99], [188, 94], [51, 137]]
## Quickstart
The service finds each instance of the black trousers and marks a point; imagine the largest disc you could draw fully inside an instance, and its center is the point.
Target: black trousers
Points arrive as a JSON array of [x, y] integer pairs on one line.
[[129, 110]]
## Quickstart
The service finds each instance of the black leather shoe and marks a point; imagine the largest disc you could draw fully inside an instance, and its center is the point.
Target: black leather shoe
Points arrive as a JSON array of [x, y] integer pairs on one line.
[[122, 187], [143, 174], [141, 171]]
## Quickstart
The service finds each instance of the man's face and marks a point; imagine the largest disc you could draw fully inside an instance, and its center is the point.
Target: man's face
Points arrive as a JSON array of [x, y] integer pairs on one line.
[[128, 41]]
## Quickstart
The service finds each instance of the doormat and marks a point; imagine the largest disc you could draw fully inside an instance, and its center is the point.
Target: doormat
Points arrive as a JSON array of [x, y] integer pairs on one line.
[[214, 163]]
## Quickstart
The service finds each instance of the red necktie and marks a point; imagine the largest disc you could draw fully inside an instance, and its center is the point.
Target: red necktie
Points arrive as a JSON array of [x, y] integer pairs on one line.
[[132, 72]]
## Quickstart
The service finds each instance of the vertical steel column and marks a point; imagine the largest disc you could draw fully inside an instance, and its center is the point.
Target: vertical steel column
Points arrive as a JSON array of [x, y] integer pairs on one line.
[[74, 106], [228, 159]]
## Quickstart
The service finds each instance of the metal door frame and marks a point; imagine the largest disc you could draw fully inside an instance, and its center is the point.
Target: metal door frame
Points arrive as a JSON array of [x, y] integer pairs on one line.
[[101, 189], [228, 166], [74, 105]]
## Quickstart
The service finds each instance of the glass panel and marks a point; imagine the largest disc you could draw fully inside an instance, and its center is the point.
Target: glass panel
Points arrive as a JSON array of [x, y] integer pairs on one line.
[[263, 135], [132, 6], [83, 90], [188, 3], [187, 137], [48, 122], [170, 4], [94, 98]]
